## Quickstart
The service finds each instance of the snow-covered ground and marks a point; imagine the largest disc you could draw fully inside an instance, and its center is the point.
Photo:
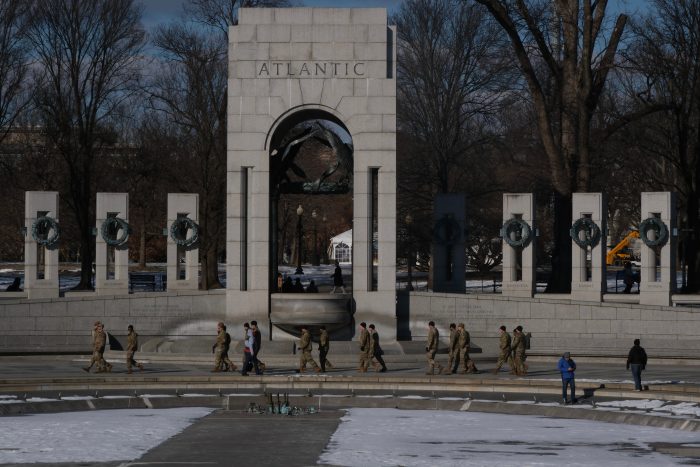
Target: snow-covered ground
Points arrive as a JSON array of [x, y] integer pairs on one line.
[[441, 438], [369, 437], [107, 435]]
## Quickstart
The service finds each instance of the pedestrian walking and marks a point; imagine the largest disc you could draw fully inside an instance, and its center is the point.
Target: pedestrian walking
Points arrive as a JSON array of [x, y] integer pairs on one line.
[[249, 353], [338, 278], [637, 361], [431, 348], [132, 345], [375, 350], [219, 347], [463, 341], [305, 348], [504, 343], [257, 344], [323, 348], [98, 344], [364, 348], [567, 367], [452, 351]]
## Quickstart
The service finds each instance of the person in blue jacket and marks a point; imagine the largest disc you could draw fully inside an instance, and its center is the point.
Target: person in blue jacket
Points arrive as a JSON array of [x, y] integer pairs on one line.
[[567, 367]]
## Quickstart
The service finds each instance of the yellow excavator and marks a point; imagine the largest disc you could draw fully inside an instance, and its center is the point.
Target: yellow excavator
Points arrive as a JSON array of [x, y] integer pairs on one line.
[[619, 253]]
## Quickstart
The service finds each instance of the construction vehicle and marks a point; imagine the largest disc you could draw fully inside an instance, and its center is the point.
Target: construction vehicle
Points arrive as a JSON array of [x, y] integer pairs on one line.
[[620, 252]]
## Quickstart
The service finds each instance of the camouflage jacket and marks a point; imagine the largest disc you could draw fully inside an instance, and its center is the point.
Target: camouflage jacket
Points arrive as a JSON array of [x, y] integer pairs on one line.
[[305, 342], [433, 337], [132, 341]]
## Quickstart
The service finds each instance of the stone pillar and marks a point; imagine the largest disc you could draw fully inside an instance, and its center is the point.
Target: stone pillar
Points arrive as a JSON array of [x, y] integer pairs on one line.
[[111, 280], [40, 262], [519, 262], [286, 66], [448, 261], [658, 273], [589, 285], [182, 205]]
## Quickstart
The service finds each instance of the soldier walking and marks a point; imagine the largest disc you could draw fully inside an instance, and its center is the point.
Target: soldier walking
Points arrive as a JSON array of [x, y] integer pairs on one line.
[[452, 351], [431, 348], [305, 347], [463, 341], [375, 350], [364, 348], [228, 365], [219, 347], [323, 347], [132, 345], [504, 345], [95, 348], [519, 367]]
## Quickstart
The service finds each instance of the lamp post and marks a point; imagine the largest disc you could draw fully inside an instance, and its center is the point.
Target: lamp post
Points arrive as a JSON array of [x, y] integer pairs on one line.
[[324, 251], [317, 260], [409, 221], [300, 213]]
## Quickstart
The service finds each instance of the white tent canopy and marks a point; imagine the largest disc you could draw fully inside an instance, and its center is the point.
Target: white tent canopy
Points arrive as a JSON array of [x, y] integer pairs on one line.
[[340, 247]]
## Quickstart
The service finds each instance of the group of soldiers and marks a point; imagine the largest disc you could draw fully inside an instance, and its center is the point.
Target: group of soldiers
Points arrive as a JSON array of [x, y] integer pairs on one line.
[[458, 350], [252, 339], [99, 343], [370, 350], [512, 351]]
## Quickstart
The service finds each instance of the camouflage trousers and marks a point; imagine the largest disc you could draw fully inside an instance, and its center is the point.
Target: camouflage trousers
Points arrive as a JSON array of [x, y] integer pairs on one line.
[[130, 360], [468, 365], [307, 358], [519, 362], [504, 358], [98, 358], [365, 359], [218, 359], [452, 361], [432, 363]]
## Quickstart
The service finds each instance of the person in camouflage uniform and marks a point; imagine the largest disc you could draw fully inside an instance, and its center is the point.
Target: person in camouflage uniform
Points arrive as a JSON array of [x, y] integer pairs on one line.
[[431, 348], [227, 364], [132, 345], [516, 343], [95, 348], [463, 342], [323, 348], [519, 351], [452, 351], [100, 345], [305, 347], [505, 347], [365, 356], [219, 347]]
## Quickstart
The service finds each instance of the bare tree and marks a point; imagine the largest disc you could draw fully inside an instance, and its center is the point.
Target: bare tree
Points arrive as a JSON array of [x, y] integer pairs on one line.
[[192, 95], [665, 68], [87, 64], [565, 60], [14, 16], [451, 71]]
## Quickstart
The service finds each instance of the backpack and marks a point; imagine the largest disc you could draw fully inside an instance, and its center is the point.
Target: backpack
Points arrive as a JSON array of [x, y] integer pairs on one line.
[[527, 336]]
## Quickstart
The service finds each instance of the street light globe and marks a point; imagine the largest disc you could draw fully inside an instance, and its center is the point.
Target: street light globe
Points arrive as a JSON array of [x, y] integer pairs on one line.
[[408, 219], [300, 211], [313, 214]]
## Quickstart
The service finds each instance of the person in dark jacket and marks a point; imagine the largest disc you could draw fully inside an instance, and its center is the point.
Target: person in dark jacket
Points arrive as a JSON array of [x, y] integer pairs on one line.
[[338, 278], [567, 367], [637, 360]]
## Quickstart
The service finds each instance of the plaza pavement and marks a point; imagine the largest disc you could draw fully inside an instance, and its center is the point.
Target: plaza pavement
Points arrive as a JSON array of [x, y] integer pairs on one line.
[[233, 436]]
